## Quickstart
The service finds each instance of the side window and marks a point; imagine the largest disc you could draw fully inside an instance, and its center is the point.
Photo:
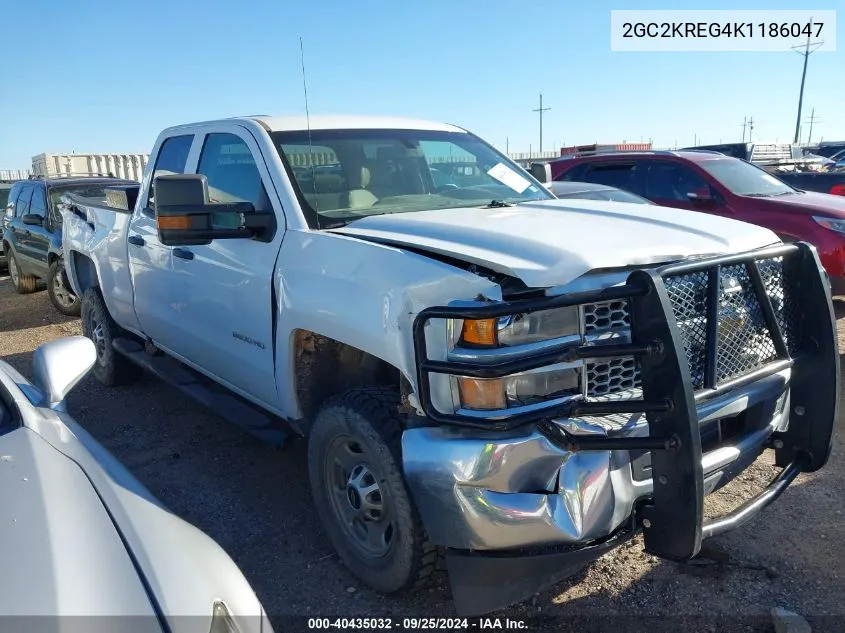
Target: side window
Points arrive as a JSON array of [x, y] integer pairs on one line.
[[232, 174], [22, 204], [172, 159], [673, 181], [625, 176], [38, 203], [575, 174]]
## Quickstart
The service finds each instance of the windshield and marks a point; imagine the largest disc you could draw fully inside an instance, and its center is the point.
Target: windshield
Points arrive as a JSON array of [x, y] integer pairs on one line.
[[745, 179], [343, 175]]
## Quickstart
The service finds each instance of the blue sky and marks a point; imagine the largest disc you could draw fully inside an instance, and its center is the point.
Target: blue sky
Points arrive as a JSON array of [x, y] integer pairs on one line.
[[107, 76]]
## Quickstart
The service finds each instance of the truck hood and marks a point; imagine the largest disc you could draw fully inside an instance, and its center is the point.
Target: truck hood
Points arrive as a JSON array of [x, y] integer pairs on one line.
[[553, 242]]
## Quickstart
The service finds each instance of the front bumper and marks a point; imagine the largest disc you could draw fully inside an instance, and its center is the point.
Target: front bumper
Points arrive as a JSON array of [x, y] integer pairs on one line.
[[542, 494]]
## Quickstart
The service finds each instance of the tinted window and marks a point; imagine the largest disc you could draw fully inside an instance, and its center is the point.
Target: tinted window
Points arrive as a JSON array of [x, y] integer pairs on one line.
[[628, 176], [38, 203], [4, 199], [673, 181], [172, 159], [576, 173], [22, 203], [232, 174]]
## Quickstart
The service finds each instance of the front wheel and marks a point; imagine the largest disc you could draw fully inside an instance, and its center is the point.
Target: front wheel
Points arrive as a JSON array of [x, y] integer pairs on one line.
[[58, 288], [354, 457]]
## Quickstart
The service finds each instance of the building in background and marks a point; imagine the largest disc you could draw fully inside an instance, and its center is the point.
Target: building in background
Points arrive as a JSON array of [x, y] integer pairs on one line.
[[129, 166], [599, 148]]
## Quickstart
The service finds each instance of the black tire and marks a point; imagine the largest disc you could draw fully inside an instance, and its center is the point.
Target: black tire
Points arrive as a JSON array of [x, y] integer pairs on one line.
[[368, 418], [59, 291], [111, 368], [24, 284]]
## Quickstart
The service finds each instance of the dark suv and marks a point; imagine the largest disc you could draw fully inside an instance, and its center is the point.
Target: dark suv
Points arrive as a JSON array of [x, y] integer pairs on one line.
[[32, 233], [5, 187]]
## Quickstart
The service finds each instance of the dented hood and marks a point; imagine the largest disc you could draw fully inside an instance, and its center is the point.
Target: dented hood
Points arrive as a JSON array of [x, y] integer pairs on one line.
[[553, 242]]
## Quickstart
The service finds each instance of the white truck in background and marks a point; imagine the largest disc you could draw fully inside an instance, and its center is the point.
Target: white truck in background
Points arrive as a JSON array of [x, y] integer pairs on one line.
[[485, 373]]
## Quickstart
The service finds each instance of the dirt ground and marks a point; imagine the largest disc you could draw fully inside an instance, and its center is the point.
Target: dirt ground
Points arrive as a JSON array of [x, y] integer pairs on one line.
[[255, 501]]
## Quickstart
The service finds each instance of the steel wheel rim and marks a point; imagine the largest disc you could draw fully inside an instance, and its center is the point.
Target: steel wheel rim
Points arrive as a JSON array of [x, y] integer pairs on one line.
[[63, 295], [359, 501], [98, 335], [13, 270]]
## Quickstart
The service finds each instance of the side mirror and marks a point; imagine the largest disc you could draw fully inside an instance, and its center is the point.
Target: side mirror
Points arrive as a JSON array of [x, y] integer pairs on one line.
[[32, 219], [701, 194], [185, 217], [59, 365], [542, 172]]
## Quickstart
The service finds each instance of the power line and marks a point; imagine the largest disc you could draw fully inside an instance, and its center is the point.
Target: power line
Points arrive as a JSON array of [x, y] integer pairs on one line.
[[541, 109], [812, 119], [806, 53]]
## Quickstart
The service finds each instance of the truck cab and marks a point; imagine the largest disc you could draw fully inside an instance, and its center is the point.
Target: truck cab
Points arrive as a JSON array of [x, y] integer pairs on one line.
[[484, 373]]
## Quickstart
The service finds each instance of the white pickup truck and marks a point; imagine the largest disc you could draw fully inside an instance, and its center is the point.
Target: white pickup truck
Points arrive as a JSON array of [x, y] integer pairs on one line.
[[485, 374]]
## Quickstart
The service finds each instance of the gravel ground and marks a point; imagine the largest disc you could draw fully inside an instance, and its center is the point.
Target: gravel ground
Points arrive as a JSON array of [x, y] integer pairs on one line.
[[255, 501]]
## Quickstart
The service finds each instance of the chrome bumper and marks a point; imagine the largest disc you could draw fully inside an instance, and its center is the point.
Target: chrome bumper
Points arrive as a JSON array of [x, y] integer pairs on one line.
[[498, 491]]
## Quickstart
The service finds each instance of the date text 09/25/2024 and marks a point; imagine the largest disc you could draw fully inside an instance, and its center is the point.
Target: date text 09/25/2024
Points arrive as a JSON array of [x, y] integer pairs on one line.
[[416, 624]]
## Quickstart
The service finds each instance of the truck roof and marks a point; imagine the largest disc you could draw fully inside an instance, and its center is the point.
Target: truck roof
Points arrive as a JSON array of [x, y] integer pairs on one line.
[[346, 122]]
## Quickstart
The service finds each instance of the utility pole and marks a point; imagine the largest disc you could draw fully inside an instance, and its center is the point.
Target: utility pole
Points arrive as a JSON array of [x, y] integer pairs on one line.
[[811, 120], [541, 109], [806, 53], [744, 126], [507, 145], [750, 128]]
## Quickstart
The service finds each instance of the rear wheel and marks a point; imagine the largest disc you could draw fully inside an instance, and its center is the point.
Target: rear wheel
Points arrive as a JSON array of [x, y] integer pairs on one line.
[[24, 284], [58, 288], [354, 457], [111, 368]]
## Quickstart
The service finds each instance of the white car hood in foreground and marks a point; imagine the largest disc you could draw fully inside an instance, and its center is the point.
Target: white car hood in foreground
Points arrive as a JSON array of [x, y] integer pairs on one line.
[[553, 242]]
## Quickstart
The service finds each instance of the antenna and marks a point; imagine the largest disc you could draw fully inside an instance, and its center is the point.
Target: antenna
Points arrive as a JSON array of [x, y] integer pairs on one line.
[[308, 125]]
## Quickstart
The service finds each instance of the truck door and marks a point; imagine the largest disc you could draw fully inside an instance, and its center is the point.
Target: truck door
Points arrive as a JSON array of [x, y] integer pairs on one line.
[[223, 303], [150, 260]]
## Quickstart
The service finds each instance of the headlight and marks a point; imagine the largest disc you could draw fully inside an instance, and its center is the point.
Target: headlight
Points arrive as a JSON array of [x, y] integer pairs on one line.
[[520, 329], [486, 394], [833, 224], [221, 620]]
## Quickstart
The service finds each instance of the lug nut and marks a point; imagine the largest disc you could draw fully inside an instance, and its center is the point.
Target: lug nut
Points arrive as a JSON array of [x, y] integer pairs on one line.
[[662, 479], [799, 410], [646, 523], [778, 443]]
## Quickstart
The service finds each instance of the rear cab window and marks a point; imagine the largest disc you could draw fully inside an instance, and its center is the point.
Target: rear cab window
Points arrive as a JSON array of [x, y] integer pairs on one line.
[[172, 159]]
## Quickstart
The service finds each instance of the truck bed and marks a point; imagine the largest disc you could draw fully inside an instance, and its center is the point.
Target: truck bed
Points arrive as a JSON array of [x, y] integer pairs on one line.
[[99, 233], [823, 182]]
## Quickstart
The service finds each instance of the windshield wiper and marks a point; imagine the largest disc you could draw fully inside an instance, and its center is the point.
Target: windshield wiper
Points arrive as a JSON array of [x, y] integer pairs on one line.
[[498, 204]]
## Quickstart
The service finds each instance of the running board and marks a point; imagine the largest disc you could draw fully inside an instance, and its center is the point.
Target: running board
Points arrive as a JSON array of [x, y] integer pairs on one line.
[[229, 406]]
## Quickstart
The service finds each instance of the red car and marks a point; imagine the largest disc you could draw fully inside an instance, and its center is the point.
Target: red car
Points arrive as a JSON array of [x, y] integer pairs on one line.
[[709, 182]]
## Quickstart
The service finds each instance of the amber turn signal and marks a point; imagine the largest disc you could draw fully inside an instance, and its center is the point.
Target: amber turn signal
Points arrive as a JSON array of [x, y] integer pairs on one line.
[[174, 222], [479, 332], [482, 393]]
